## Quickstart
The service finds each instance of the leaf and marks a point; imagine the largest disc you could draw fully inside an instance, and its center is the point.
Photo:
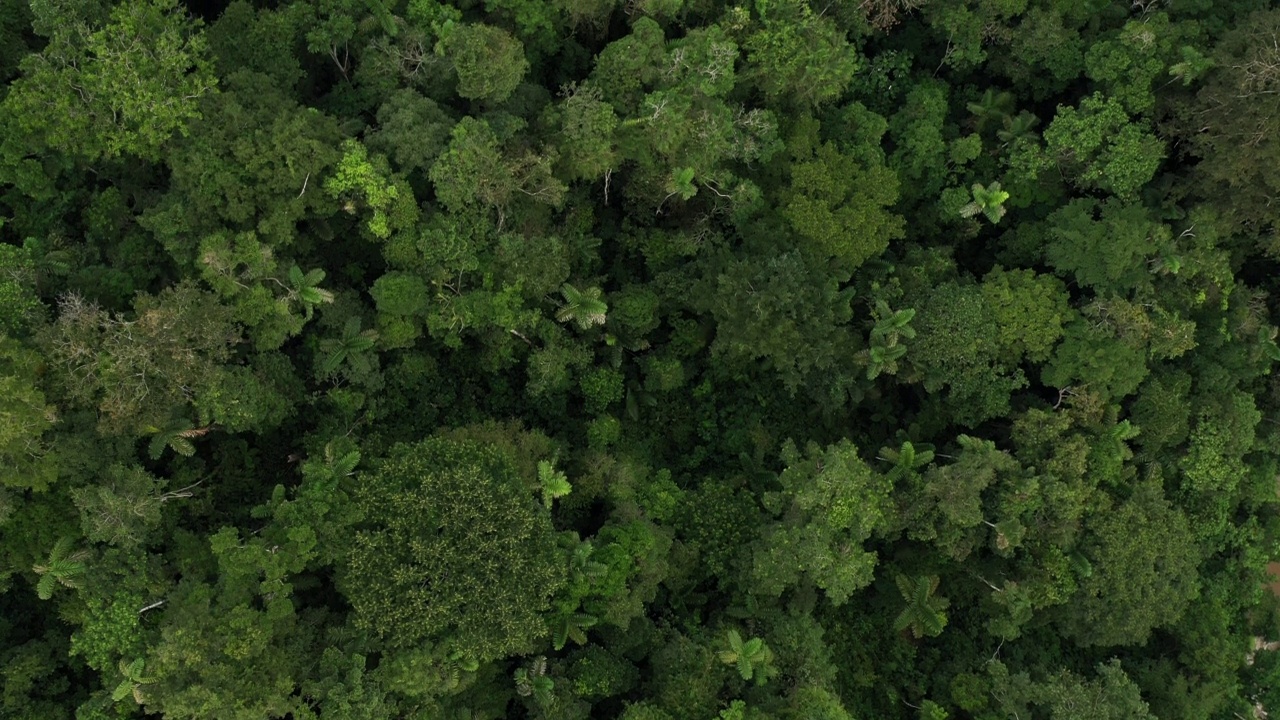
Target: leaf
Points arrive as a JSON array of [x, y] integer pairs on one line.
[[735, 641], [315, 296], [346, 464], [156, 447], [44, 588], [334, 360]]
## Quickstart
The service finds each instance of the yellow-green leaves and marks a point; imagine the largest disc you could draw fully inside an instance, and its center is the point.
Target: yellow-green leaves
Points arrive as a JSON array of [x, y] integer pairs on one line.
[[361, 179]]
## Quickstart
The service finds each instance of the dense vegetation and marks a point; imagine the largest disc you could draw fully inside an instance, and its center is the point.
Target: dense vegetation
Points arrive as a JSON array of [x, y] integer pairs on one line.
[[652, 360]]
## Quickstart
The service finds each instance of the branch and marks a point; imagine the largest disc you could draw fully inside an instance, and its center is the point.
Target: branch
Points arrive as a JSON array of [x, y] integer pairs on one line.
[[152, 606]]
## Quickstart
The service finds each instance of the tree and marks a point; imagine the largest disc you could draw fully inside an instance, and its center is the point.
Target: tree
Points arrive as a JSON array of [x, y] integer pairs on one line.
[[831, 503], [490, 62], [127, 87], [1144, 557], [1128, 64], [924, 614], [752, 658], [412, 131], [1100, 147], [765, 307], [1091, 355], [482, 575], [1044, 54], [1105, 245], [124, 506], [585, 308], [959, 346], [18, 298], [1231, 123], [63, 567], [588, 124], [838, 202], [132, 682], [141, 372], [360, 177], [25, 417], [1111, 695], [475, 170], [799, 54], [988, 201], [227, 180]]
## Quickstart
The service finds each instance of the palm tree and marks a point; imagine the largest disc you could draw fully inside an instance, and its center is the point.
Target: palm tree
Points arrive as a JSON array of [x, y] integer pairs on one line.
[[554, 483], [62, 568], [534, 681], [992, 108], [349, 347], [892, 324], [1166, 263], [1017, 127], [384, 16], [133, 681], [752, 657], [682, 183], [305, 288], [572, 626], [986, 200], [584, 307], [882, 358], [177, 436], [907, 460], [924, 613]]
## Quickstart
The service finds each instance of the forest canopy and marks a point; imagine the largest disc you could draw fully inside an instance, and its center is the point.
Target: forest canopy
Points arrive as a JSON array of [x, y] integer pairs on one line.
[[643, 360]]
